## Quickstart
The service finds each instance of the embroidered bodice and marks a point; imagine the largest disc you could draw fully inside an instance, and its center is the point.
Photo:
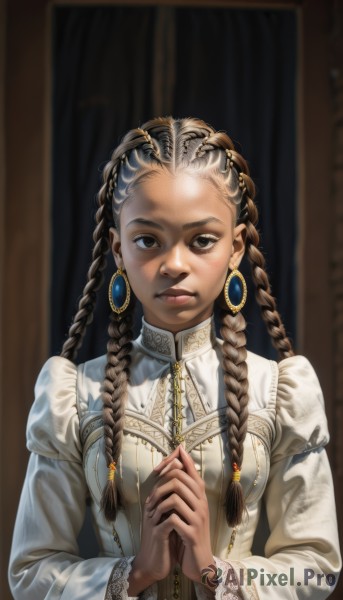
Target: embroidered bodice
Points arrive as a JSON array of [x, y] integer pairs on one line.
[[175, 394]]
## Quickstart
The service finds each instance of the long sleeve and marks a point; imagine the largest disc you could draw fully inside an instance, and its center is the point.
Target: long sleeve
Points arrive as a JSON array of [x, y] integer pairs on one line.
[[45, 561], [302, 557]]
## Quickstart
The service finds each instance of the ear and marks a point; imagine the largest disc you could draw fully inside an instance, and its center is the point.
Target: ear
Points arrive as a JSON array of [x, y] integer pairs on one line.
[[116, 247], [238, 245]]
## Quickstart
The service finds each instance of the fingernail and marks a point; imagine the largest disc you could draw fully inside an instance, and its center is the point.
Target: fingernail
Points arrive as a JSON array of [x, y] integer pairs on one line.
[[147, 500]]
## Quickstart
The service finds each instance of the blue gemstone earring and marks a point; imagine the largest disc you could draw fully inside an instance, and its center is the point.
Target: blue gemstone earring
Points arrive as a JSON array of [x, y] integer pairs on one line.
[[235, 291], [119, 292]]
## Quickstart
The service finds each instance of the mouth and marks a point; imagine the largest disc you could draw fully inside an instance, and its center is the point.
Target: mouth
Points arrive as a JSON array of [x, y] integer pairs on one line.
[[175, 296], [175, 292]]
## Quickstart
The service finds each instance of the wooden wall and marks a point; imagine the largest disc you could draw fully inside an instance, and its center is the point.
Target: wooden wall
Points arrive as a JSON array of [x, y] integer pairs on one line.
[[24, 223]]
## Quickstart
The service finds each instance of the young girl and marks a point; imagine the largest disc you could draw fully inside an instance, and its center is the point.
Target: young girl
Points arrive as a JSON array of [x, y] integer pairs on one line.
[[178, 438]]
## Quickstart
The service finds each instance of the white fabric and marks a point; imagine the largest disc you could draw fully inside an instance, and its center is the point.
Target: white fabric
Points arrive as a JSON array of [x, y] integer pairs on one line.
[[285, 465]]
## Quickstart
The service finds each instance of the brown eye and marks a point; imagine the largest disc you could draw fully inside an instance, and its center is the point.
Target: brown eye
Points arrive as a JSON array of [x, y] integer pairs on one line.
[[204, 242], [145, 241]]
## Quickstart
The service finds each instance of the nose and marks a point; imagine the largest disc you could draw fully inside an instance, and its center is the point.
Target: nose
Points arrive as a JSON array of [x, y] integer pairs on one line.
[[174, 262]]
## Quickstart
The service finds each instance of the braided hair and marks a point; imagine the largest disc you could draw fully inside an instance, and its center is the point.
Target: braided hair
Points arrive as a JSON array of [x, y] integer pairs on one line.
[[173, 144]]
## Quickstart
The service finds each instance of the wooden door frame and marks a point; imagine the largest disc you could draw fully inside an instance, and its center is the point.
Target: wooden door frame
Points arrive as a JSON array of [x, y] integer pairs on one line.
[[25, 205]]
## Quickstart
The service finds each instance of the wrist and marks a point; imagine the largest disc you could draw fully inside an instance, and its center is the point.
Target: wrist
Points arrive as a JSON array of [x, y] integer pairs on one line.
[[210, 576], [138, 579]]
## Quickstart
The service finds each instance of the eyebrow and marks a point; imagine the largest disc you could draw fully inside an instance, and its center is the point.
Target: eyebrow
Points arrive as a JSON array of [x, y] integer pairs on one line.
[[141, 221]]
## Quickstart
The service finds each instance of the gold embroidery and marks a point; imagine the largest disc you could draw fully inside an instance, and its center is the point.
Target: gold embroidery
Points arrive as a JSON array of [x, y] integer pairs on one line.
[[197, 339], [156, 341], [232, 539], [154, 433], [91, 425], [163, 343], [203, 429], [176, 592], [117, 540], [260, 427], [91, 433], [194, 398], [158, 410], [177, 436]]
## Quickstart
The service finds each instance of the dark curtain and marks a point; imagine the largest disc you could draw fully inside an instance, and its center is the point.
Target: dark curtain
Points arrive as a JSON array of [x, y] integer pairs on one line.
[[115, 67]]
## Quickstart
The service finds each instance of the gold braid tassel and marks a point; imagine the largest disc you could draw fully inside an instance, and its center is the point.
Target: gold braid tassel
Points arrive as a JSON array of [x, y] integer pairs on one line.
[[236, 474], [111, 471], [234, 500], [109, 500]]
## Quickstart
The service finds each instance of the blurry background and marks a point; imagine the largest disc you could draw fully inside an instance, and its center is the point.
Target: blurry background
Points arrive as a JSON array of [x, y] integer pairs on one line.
[[74, 77]]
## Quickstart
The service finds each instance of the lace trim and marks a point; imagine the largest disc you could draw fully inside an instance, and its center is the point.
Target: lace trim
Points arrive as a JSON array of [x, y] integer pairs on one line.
[[230, 586], [118, 582]]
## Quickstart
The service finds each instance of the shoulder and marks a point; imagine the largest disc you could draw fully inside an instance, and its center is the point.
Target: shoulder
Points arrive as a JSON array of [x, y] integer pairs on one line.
[[90, 378], [301, 423], [263, 378], [53, 418], [64, 394]]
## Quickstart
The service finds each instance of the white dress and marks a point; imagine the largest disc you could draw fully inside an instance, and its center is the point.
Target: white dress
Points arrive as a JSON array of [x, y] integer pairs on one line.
[[285, 469]]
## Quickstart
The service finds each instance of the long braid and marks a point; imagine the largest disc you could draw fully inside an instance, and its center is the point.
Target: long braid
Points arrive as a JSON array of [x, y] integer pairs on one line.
[[232, 330], [86, 305], [117, 370], [264, 297], [114, 398], [236, 395]]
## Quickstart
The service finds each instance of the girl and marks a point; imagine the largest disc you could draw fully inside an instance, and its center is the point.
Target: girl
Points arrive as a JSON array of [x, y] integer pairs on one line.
[[177, 437]]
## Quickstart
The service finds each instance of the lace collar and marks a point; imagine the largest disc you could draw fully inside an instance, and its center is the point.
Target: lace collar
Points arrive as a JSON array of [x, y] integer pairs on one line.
[[165, 345]]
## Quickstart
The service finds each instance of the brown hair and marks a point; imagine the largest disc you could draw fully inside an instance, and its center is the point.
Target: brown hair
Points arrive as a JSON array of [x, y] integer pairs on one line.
[[175, 144]]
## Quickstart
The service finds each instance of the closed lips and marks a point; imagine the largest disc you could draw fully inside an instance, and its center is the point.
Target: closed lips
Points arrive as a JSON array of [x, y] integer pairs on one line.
[[176, 292]]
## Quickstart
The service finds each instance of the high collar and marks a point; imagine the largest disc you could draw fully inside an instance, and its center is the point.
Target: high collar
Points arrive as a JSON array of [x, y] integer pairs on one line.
[[180, 346]]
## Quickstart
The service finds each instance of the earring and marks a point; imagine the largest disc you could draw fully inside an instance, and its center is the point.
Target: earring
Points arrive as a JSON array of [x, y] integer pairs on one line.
[[235, 291], [119, 292]]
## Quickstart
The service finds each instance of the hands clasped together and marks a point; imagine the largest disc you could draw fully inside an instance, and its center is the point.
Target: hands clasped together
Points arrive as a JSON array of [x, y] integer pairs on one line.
[[175, 525]]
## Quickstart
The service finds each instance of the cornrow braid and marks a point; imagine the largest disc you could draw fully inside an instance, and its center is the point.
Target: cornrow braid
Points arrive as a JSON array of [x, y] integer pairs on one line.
[[215, 140], [187, 137]]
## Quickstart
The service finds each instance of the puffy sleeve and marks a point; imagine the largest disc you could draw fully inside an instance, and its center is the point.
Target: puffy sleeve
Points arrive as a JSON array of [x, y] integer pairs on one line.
[[44, 560], [302, 556]]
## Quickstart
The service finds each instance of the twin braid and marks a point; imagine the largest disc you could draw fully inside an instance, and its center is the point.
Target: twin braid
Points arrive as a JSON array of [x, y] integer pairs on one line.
[[186, 142], [117, 370], [233, 326], [264, 297], [86, 306], [114, 398], [234, 353]]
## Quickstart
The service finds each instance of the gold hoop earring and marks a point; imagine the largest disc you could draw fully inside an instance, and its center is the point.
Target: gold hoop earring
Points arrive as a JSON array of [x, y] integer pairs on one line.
[[235, 291], [119, 292]]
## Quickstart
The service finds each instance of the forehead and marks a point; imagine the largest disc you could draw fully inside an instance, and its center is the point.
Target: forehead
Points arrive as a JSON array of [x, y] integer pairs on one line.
[[177, 197]]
